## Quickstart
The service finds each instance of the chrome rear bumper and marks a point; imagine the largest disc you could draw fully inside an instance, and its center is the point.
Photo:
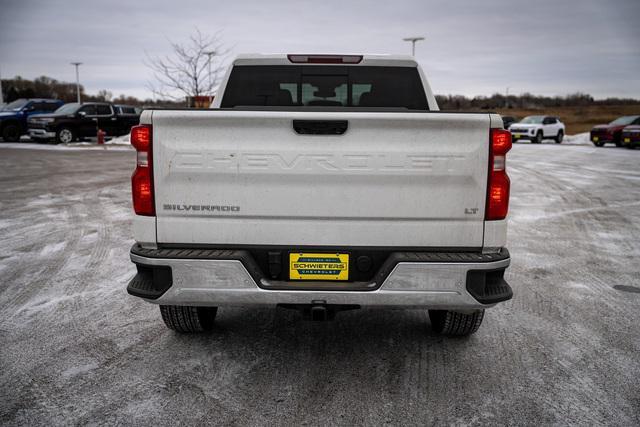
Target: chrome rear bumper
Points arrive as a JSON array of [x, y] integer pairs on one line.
[[219, 282]]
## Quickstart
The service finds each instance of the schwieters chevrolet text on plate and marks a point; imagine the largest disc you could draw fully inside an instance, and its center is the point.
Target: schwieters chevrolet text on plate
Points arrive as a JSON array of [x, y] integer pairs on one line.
[[321, 183]]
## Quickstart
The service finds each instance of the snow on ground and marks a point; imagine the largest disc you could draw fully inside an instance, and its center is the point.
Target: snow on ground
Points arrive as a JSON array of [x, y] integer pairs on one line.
[[77, 146], [119, 140], [577, 139], [54, 247], [75, 348]]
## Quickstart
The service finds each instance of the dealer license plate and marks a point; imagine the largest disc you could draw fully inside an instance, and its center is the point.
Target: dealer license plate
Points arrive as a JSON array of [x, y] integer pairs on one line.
[[318, 266]]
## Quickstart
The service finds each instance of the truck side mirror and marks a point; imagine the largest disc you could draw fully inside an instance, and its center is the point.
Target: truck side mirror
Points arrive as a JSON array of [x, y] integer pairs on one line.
[[82, 114]]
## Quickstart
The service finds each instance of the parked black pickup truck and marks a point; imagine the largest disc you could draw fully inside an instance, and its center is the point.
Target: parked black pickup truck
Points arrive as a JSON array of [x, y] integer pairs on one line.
[[76, 121]]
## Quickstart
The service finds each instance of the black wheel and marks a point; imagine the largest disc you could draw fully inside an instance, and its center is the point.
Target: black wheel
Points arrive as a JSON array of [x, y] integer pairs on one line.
[[538, 138], [559, 137], [618, 143], [65, 135], [11, 133], [183, 318], [599, 144], [452, 323]]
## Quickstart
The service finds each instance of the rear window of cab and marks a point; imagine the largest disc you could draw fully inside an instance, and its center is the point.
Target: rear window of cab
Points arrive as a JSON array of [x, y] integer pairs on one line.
[[324, 86]]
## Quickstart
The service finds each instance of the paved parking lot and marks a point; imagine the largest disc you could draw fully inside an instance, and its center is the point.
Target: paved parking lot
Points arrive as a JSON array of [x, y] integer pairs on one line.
[[75, 348]]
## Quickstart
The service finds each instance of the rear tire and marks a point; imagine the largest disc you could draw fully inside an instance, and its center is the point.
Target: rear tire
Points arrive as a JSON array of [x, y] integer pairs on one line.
[[538, 138], [11, 133], [452, 323], [183, 318], [559, 137]]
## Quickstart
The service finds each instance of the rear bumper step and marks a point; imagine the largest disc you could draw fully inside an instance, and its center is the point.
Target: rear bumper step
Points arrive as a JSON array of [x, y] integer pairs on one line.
[[453, 280]]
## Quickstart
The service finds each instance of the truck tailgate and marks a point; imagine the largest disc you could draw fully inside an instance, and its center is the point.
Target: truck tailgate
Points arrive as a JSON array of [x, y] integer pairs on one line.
[[231, 177]]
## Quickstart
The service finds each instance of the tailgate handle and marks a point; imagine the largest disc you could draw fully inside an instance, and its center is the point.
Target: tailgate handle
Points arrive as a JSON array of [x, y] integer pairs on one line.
[[320, 127]]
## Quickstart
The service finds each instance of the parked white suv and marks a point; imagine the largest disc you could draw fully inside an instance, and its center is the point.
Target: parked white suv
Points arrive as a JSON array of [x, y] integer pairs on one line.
[[321, 183], [537, 128]]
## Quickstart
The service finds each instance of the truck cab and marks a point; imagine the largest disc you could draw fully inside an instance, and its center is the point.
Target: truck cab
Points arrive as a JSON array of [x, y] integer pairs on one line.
[[14, 116]]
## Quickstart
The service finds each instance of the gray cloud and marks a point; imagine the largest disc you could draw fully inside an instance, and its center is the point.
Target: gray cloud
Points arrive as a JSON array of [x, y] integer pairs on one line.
[[545, 47]]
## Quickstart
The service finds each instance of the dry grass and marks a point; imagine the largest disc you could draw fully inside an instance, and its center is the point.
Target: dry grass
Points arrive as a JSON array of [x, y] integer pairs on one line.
[[578, 119]]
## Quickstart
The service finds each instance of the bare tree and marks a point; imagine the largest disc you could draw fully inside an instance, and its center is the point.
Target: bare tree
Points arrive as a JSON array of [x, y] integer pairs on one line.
[[192, 69], [104, 95]]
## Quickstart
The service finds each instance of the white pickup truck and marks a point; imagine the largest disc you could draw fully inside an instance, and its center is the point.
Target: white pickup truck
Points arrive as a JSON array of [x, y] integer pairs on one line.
[[321, 183]]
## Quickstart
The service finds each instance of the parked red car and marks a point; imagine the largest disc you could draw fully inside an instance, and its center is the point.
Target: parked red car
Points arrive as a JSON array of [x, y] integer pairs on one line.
[[612, 132], [631, 136]]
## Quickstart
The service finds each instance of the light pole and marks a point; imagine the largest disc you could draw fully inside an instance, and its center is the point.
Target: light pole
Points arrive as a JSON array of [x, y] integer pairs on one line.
[[77, 64], [413, 41], [1, 96], [209, 55]]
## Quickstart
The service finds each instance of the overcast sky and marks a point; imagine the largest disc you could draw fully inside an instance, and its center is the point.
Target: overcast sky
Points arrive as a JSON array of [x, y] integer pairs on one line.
[[472, 47]]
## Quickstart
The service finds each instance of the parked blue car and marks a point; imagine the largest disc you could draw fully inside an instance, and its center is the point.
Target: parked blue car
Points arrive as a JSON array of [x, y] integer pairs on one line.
[[13, 116]]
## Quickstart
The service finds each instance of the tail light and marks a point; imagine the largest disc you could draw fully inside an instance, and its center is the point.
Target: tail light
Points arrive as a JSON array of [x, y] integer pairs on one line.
[[498, 183], [142, 179]]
